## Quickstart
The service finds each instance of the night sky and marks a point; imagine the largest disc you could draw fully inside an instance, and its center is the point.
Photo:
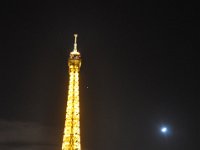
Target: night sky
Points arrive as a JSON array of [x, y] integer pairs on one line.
[[140, 71]]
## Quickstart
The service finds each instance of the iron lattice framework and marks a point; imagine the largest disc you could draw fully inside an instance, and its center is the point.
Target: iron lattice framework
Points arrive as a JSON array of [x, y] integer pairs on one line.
[[71, 137]]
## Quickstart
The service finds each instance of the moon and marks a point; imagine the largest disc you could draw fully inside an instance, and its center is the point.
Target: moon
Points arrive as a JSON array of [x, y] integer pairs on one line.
[[164, 129]]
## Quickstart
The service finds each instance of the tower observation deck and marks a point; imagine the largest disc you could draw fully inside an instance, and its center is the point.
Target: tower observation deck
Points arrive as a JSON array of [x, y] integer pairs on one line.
[[71, 137]]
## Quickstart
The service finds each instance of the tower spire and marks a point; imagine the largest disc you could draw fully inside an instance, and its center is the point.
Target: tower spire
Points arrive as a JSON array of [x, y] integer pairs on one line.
[[75, 42], [71, 137]]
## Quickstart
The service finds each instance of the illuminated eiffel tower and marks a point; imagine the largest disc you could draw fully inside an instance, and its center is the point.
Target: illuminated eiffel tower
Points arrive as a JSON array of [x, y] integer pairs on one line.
[[71, 137]]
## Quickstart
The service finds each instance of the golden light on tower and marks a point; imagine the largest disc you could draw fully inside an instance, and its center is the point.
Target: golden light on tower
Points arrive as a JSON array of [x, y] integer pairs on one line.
[[71, 137]]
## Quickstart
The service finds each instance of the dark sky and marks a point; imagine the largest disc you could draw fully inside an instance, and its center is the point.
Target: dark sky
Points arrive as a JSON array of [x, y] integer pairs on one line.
[[139, 62]]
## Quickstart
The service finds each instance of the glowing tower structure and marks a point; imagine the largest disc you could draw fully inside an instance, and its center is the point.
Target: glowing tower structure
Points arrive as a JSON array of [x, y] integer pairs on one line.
[[71, 137]]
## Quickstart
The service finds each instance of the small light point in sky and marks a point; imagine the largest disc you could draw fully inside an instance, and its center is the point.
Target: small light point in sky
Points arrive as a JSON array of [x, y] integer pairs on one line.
[[164, 129]]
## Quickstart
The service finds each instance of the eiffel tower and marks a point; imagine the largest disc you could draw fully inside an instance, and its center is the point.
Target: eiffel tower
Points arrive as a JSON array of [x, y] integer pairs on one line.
[[71, 137]]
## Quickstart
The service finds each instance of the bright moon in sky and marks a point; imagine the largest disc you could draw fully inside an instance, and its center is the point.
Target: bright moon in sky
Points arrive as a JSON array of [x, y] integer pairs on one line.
[[164, 129]]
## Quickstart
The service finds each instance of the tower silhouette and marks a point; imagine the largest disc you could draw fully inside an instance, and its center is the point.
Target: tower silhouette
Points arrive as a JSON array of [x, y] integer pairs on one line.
[[71, 137]]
